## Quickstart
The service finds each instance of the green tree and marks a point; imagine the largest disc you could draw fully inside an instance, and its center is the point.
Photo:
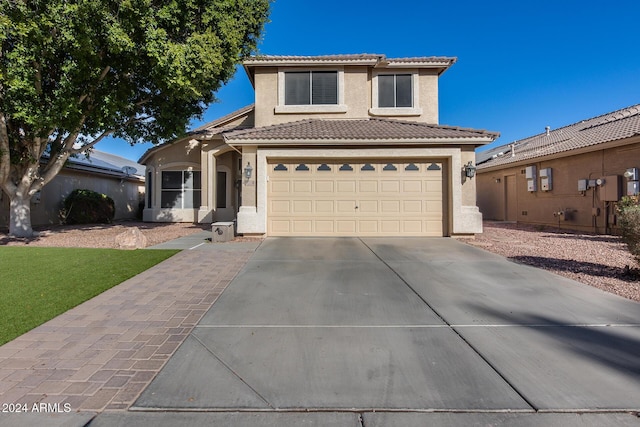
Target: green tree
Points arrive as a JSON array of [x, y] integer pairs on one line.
[[73, 72]]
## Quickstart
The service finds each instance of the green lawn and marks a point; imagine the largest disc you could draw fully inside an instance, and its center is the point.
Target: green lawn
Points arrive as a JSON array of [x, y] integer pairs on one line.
[[37, 284]]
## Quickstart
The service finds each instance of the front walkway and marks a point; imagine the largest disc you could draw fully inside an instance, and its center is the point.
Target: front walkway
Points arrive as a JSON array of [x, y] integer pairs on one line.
[[103, 353]]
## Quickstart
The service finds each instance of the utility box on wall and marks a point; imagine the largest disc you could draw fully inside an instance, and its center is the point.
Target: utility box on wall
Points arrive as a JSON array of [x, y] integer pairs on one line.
[[610, 189], [532, 178], [546, 181], [583, 184]]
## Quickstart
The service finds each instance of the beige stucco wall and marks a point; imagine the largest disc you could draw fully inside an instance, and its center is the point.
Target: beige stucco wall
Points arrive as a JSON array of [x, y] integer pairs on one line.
[[182, 155], [468, 154], [429, 96], [208, 157], [126, 195], [357, 96], [538, 207]]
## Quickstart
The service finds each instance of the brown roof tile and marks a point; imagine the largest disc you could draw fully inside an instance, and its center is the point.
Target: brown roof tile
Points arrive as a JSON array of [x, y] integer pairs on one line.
[[620, 124], [367, 57], [364, 130]]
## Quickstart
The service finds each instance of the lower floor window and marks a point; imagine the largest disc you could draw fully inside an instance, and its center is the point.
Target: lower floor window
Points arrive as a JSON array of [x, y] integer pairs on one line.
[[181, 189]]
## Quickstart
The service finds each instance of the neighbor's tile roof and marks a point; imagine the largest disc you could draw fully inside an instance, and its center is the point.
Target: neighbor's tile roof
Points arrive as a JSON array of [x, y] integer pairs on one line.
[[620, 124], [373, 129]]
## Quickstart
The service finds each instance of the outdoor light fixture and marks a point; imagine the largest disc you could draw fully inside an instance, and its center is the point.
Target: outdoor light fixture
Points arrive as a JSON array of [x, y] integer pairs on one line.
[[469, 170], [248, 170]]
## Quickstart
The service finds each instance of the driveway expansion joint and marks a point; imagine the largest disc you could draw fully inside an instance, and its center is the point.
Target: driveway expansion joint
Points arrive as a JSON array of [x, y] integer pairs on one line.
[[441, 317], [231, 370]]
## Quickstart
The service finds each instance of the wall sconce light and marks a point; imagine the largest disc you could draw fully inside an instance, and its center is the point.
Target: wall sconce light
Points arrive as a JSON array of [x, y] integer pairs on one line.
[[469, 170], [248, 170]]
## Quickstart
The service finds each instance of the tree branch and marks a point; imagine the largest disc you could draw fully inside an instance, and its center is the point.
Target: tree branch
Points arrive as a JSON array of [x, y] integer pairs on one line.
[[92, 143], [103, 75]]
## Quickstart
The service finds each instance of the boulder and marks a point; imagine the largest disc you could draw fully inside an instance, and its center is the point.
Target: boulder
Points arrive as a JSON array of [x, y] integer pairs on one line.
[[131, 239]]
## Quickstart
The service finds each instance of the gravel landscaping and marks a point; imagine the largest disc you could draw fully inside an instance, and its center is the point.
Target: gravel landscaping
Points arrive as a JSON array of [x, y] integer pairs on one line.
[[598, 260], [103, 235], [601, 261]]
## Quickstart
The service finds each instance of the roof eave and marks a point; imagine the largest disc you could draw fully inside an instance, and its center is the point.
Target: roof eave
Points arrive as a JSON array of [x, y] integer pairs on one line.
[[308, 62], [362, 142]]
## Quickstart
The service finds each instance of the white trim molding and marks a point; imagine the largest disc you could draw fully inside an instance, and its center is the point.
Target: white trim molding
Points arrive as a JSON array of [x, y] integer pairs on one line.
[[415, 110]]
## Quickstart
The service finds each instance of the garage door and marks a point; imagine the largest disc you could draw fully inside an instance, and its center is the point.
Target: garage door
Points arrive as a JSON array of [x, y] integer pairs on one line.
[[346, 198]]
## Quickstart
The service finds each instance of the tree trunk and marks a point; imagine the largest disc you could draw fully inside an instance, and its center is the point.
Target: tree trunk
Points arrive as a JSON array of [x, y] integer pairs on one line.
[[20, 216]]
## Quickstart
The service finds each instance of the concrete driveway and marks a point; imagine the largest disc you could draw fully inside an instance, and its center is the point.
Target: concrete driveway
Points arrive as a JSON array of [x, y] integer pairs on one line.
[[407, 332]]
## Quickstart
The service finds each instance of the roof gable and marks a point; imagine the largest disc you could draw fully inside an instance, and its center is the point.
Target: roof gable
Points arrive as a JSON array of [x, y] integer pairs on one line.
[[208, 130]]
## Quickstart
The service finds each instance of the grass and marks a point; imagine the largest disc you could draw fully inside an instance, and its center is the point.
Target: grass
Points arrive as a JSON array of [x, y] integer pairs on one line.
[[38, 284]]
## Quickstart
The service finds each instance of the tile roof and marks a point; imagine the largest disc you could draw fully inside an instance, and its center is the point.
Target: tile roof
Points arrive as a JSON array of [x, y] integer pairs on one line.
[[359, 130], [620, 124], [208, 127], [370, 58], [205, 131], [339, 57]]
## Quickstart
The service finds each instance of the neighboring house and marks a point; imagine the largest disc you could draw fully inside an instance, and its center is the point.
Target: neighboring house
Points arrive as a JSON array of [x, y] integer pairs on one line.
[[117, 177], [569, 177], [339, 145]]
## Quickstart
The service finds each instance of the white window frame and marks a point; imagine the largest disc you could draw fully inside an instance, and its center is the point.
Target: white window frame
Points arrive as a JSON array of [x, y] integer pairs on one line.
[[182, 190], [281, 108], [396, 111]]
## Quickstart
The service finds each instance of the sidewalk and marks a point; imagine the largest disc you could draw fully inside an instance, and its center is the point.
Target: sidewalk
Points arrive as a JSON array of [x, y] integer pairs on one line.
[[101, 355]]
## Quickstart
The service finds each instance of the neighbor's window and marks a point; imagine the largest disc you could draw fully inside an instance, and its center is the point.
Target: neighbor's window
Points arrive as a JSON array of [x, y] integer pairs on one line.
[[395, 91], [311, 88], [181, 189]]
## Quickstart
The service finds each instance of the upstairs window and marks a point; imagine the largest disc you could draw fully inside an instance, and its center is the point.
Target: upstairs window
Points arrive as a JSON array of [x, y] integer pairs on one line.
[[395, 91], [311, 88]]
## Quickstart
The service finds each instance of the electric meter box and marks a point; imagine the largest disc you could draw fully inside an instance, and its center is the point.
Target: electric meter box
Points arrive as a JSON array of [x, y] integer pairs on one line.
[[583, 184], [531, 185], [546, 182], [530, 172]]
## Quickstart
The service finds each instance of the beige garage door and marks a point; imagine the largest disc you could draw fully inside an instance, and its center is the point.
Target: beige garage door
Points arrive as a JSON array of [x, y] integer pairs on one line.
[[346, 198]]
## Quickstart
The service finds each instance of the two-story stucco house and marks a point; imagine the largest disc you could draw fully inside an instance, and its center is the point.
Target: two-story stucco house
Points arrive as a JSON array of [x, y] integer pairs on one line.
[[339, 145]]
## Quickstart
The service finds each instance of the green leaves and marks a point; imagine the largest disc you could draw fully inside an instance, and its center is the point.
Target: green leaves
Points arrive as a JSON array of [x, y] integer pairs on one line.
[[159, 55]]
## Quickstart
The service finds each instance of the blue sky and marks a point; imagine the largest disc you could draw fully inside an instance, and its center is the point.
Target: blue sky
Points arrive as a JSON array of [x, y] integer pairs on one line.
[[522, 65]]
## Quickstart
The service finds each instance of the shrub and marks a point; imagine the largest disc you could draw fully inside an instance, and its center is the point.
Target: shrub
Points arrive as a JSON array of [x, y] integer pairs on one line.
[[629, 222], [88, 207]]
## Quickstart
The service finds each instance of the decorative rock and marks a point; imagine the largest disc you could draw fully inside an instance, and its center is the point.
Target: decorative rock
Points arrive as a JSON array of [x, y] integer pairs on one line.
[[131, 239]]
